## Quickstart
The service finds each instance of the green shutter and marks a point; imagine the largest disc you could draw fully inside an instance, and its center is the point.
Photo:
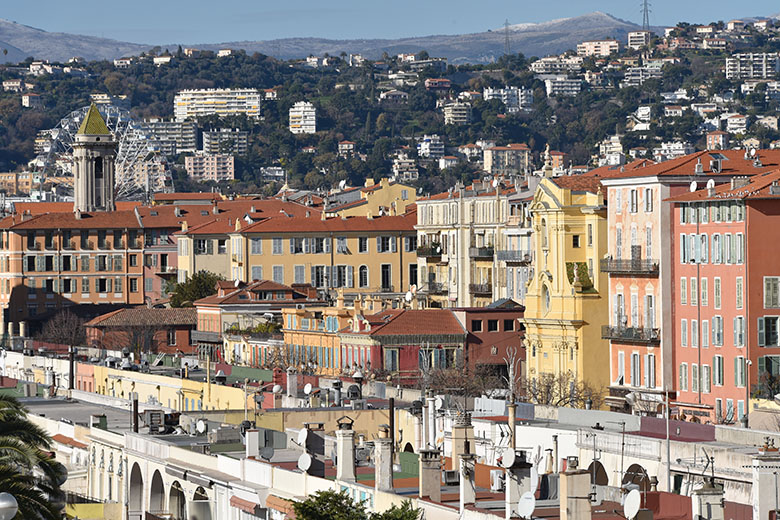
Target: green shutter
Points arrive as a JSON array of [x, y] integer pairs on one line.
[[761, 333]]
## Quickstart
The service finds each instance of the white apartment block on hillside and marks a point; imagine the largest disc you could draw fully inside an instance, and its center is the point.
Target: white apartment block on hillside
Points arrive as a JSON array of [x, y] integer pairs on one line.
[[303, 118], [189, 104], [430, 147], [562, 86], [752, 65], [638, 39], [457, 113], [557, 65], [174, 137], [226, 140], [601, 48], [514, 98]]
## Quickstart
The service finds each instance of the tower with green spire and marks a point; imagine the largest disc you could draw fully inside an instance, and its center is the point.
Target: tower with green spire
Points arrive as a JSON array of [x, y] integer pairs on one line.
[[94, 153]]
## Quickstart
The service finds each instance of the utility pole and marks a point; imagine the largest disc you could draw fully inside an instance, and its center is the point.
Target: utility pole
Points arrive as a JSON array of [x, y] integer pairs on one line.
[[645, 15]]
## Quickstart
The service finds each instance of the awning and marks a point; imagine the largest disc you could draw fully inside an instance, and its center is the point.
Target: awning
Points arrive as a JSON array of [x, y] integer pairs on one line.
[[246, 506], [176, 472], [280, 504]]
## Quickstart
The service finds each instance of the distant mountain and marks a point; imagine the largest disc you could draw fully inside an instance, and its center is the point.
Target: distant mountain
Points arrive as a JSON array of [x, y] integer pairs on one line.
[[22, 41]]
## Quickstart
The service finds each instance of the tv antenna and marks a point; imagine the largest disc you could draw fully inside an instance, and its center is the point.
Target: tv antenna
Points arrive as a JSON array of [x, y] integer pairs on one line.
[[506, 37], [645, 15]]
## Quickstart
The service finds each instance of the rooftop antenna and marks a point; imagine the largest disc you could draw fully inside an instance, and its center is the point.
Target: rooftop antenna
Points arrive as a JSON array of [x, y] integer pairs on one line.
[[645, 15], [506, 37]]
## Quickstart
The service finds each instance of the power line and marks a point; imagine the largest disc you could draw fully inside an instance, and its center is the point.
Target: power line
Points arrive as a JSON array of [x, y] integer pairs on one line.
[[645, 15]]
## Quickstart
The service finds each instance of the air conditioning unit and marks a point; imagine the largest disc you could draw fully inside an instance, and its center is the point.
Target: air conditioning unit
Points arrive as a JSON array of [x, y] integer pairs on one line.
[[451, 477], [300, 306], [496, 480]]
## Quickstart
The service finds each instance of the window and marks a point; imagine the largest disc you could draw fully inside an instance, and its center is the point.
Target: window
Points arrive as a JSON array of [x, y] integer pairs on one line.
[[649, 242], [386, 244], [683, 291], [694, 377], [684, 333], [633, 201], [299, 274], [716, 290], [716, 252], [149, 285], [132, 260], [705, 334], [410, 244], [509, 325], [276, 246], [771, 288], [492, 325], [363, 276], [739, 372], [648, 200], [717, 370], [650, 370], [717, 331], [704, 247], [257, 272], [650, 311], [740, 248], [635, 369], [618, 200], [621, 368], [694, 333], [171, 336], [413, 274], [256, 245], [739, 291], [575, 241], [204, 247], [278, 273], [590, 234], [362, 244], [703, 292], [341, 245], [694, 291], [133, 285], [739, 331], [768, 331], [705, 379], [726, 256], [476, 325]]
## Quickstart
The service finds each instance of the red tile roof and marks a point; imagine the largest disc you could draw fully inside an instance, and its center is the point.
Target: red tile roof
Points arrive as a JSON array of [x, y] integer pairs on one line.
[[734, 163], [233, 294], [427, 322], [95, 220], [187, 196], [315, 224], [63, 439], [37, 208], [144, 316], [758, 187]]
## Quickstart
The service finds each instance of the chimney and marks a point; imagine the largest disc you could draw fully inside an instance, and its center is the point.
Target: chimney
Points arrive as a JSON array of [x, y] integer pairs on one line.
[[345, 450], [215, 209], [512, 419], [765, 480], [252, 443], [518, 478], [707, 501], [462, 437], [23, 329], [468, 492], [177, 211], [429, 422], [430, 474], [292, 383], [10, 329], [575, 492], [71, 367], [383, 460]]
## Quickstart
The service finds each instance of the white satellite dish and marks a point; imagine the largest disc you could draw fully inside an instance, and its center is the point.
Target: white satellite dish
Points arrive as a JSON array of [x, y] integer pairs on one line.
[[408, 296], [631, 504], [413, 288], [267, 453], [693, 186], [304, 462], [439, 403], [752, 152], [527, 504], [710, 184], [534, 479], [303, 433], [201, 426], [508, 457], [307, 389], [277, 389]]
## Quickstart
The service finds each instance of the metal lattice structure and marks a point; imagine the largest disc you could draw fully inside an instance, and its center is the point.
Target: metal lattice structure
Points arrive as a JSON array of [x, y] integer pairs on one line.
[[140, 167]]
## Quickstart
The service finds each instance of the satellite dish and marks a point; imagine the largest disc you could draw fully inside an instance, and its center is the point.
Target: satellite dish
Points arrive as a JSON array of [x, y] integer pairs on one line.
[[495, 183], [277, 389], [527, 504], [304, 462], [710, 184], [508, 458], [534, 479], [408, 296], [439, 403], [303, 433], [413, 288], [631, 504], [693, 186], [307, 389], [752, 152], [342, 184], [267, 453], [201, 426]]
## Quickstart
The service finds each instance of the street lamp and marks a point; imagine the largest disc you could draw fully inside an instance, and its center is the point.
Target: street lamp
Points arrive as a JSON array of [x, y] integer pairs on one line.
[[8, 506]]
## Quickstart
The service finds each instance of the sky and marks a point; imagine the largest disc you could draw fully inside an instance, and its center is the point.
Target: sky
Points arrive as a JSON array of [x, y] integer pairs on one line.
[[210, 21]]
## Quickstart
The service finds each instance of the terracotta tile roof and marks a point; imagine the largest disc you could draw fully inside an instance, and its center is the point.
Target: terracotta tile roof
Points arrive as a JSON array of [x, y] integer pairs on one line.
[[233, 294], [144, 316], [95, 220], [37, 208], [315, 224], [758, 187], [582, 182], [426, 322], [187, 196], [734, 163], [217, 226], [63, 439]]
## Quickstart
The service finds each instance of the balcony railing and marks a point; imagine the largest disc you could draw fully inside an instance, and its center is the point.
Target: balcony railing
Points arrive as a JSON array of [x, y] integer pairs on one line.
[[481, 252], [34, 247], [69, 245], [167, 269], [205, 336], [437, 288], [386, 289], [631, 334], [481, 288], [515, 256], [629, 266], [428, 251]]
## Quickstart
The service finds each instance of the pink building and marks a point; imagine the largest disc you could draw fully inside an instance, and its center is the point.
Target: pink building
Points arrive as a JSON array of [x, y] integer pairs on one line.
[[717, 140], [210, 167]]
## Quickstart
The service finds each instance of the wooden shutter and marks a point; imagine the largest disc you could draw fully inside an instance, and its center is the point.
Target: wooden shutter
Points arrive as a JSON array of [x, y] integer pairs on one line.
[[761, 333]]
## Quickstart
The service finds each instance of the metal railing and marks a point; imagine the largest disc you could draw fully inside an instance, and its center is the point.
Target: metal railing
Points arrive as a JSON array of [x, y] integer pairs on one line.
[[481, 252], [515, 256], [205, 336], [430, 250], [631, 334], [629, 266], [481, 288], [437, 288]]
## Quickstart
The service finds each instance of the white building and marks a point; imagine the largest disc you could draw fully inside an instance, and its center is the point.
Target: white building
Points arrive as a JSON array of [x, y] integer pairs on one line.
[[303, 118], [562, 86], [557, 65], [210, 167], [638, 39], [514, 98], [430, 147], [405, 169], [635, 76], [457, 113], [226, 140], [190, 104], [752, 65], [601, 48], [671, 150], [174, 137]]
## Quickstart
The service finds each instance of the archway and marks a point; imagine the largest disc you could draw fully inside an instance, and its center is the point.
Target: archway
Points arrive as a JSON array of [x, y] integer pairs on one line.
[[636, 474], [177, 502], [157, 495], [598, 475], [408, 448], [200, 507], [136, 498]]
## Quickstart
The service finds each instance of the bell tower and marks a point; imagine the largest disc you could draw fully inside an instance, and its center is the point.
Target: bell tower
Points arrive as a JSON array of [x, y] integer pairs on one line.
[[94, 151]]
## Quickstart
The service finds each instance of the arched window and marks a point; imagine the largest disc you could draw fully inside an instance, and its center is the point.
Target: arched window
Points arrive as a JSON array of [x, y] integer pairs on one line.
[[363, 276], [546, 298], [544, 233]]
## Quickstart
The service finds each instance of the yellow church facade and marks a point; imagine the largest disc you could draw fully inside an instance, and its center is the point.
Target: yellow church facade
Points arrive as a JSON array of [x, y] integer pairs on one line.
[[567, 296]]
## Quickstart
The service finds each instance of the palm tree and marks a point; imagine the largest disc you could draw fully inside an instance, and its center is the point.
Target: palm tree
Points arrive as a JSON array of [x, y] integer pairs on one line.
[[28, 470]]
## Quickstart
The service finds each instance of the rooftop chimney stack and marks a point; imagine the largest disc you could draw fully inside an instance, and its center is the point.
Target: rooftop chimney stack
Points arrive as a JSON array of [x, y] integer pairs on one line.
[[517, 480], [468, 492], [383, 460], [462, 437], [765, 481], [430, 474], [345, 451], [707, 501], [575, 492], [292, 383]]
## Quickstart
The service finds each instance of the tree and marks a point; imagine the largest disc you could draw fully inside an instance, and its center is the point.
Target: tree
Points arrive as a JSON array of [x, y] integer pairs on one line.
[[329, 505], [28, 471], [199, 285], [65, 328], [562, 389]]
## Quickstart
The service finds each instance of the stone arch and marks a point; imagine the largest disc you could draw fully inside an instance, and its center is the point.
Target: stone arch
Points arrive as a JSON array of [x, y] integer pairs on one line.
[[636, 474], [157, 494], [177, 502], [136, 498], [598, 475], [200, 507], [408, 448]]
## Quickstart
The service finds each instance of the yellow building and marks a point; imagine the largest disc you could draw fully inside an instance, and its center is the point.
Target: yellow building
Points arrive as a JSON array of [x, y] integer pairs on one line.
[[566, 299], [385, 197]]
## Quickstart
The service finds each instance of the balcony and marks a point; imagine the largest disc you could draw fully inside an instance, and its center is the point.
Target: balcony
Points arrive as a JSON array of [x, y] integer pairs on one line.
[[481, 288], [203, 336], [437, 288], [386, 289], [87, 244], [481, 252], [631, 334], [429, 251], [69, 245], [523, 257], [166, 270], [642, 266]]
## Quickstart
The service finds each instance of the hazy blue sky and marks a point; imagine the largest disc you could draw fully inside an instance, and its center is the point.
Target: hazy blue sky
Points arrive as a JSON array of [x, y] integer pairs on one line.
[[213, 21]]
